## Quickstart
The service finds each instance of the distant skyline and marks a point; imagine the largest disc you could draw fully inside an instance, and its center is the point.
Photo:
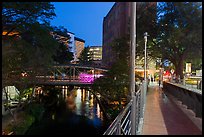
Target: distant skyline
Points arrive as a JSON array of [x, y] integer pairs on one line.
[[84, 19]]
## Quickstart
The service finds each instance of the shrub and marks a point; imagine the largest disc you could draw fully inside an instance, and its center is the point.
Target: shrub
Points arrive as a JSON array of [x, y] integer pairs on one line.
[[23, 126]]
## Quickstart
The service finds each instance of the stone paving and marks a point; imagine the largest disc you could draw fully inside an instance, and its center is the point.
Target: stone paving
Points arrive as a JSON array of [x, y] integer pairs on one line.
[[165, 117]]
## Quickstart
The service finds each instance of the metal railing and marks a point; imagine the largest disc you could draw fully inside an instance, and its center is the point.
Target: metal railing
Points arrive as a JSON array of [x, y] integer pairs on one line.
[[192, 82], [133, 111]]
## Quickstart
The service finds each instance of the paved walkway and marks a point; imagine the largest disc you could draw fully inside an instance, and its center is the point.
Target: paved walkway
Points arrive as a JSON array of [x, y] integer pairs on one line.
[[164, 117]]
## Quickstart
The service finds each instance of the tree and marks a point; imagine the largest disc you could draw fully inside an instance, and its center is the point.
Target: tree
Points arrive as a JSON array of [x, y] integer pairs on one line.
[[114, 85], [26, 42], [63, 54], [27, 46], [146, 22], [84, 57], [17, 15], [32, 53], [179, 32]]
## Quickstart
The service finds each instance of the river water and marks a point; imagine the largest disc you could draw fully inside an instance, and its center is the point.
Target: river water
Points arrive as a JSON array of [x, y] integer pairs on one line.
[[78, 113]]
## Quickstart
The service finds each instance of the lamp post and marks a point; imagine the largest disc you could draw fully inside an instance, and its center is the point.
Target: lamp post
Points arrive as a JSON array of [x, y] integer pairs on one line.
[[132, 66], [145, 60], [145, 68]]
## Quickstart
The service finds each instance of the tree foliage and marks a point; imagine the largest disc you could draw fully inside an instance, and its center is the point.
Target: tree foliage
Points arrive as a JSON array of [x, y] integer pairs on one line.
[[114, 85], [84, 57], [179, 32], [27, 44], [146, 22], [63, 54], [17, 15]]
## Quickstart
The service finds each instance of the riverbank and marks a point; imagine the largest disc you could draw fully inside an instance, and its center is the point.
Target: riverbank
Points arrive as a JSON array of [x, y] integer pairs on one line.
[[11, 125], [19, 121]]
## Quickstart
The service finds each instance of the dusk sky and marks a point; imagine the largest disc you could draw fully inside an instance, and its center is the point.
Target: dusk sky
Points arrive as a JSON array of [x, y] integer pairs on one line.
[[84, 19]]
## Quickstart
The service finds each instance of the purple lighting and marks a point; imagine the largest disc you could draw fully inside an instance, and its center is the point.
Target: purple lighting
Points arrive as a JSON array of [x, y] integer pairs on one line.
[[88, 78]]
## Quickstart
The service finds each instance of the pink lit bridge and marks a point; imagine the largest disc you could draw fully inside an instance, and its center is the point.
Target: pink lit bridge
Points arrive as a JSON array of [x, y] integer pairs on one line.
[[70, 75]]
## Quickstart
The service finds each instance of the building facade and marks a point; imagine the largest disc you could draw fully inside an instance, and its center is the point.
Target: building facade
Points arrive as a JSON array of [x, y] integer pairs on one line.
[[95, 55], [61, 38], [79, 46], [72, 44], [116, 24]]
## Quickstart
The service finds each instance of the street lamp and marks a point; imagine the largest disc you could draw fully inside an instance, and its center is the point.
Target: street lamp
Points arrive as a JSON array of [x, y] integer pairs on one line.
[[132, 66], [145, 60]]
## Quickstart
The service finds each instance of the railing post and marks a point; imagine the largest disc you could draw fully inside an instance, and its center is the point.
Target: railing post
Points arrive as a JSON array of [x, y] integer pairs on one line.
[[145, 92], [142, 97], [119, 128], [141, 106], [133, 115]]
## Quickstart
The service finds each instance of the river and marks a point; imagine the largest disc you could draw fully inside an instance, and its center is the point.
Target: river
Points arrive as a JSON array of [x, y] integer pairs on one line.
[[78, 113]]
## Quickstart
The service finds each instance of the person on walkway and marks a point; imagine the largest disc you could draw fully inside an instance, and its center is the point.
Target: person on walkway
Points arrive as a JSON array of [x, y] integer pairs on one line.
[[159, 82]]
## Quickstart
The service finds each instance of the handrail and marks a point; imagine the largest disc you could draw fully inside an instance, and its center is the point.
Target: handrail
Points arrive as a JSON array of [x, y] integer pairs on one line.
[[122, 125], [118, 119]]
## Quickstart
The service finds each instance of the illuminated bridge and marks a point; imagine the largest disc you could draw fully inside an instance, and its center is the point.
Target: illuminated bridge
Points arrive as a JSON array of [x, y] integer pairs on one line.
[[72, 74]]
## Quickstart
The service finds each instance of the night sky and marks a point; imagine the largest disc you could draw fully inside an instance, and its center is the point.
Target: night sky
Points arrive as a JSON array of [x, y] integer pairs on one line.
[[84, 19]]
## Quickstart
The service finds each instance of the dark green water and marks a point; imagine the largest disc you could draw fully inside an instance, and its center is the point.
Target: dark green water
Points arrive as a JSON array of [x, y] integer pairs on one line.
[[76, 113]]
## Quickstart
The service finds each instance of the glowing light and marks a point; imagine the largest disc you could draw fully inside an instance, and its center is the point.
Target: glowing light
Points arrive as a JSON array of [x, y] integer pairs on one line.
[[98, 113], [91, 104], [24, 74], [98, 95], [78, 101], [79, 92], [53, 116], [88, 78]]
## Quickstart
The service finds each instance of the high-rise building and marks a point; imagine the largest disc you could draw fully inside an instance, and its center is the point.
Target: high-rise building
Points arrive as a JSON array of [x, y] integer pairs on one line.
[[61, 38], [116, 24], [72, 44], [95, 55], [76, 46], [79, 46]]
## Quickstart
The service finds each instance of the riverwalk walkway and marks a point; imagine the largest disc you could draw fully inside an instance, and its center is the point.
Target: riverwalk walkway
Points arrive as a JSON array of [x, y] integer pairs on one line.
[[164, 115]]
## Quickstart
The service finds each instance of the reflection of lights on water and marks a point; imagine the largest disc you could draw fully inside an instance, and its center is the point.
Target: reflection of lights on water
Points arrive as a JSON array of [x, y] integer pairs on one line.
[[53, 116], [78, 101], [98, 95], [64, 90], [83, 95], [98, 113], [78, 93], [91, 101], [85, 104], [91, 95], [87, 96]]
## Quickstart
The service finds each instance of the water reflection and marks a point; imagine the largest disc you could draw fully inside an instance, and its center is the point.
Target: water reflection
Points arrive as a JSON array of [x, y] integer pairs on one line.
[[82, 102], [80, 114]]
